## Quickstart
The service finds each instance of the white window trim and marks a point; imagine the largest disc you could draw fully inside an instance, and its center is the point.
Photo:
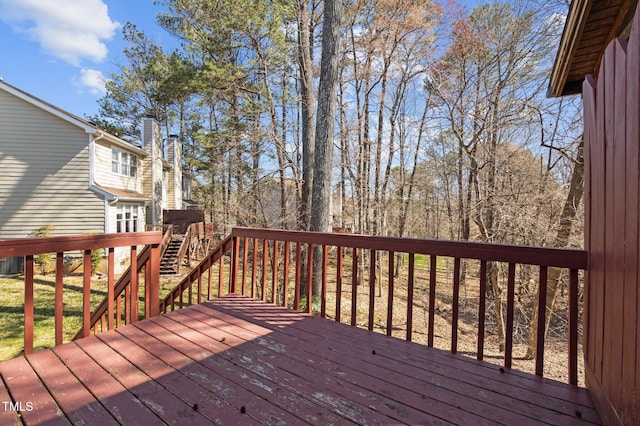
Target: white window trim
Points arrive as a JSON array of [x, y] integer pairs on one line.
[[128, 218], [124, 163]]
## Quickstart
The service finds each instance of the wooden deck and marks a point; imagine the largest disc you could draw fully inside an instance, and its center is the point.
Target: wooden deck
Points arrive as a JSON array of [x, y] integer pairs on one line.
[[238, 361]]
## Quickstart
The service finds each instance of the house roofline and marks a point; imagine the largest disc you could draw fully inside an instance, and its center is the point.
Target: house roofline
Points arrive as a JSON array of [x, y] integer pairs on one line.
[[583, 41], [83, 124], [115, 194]]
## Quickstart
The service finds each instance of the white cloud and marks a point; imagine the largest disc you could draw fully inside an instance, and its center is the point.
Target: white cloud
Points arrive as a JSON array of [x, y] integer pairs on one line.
[[71, 30], [92, 80]]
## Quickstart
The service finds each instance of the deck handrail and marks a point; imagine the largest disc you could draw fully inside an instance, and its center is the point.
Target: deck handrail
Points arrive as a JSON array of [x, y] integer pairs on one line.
[[256, 240], [30, 247], [509, 253]]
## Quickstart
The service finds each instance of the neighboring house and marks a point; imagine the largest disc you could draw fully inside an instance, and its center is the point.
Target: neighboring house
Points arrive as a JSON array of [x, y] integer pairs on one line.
[[59, 169]]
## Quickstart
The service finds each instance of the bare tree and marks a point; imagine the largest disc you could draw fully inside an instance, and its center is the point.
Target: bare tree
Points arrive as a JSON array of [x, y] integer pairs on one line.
[[325, 123]]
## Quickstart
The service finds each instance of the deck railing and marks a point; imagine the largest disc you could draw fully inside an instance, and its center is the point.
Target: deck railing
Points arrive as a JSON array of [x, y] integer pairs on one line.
[[262, 263], [148, 262], [269, 265]]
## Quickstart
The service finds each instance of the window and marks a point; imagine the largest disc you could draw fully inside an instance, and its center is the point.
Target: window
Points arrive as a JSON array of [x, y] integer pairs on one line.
[[127, 218], [186, 188], [124, 163]]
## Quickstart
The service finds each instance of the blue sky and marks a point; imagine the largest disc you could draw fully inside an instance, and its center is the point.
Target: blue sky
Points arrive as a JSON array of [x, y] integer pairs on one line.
[[59, 50]]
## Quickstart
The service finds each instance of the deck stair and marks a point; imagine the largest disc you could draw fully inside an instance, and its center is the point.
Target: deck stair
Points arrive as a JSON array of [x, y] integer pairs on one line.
[[169, 264]]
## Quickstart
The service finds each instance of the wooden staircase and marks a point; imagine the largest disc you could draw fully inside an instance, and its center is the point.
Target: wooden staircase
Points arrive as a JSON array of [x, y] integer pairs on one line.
[[170, 262]]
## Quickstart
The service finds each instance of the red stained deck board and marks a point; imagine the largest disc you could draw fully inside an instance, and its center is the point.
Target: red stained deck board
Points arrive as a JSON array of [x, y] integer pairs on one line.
[[149, 392], [343, 383], [283, 367], [504, 389], [8, 416], [78, 404], [256, 408], [401, 405], [475, 368], [26, 388], [374, 375], [267, 383], [191, 394], [122, 404], [445, 384]]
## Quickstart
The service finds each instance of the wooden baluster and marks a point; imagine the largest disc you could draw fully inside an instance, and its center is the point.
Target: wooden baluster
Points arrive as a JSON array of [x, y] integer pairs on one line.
[[354, 285], [265, 250], [285, 280], [456, 305], [28, 304], [338, 282], [135, 287], [573, 326], [372, 287], [235, 253], [119, 307], [86, 294], [390, 293], [432, 299], [59, 305], [220, 274], [323, 291], [199, 298], [274, 276], [410, 279], [254, 267], [147, 274], [296, 297], [190, 292], [310, 248], [482, 306], [245, 255], [542, 307], [210, 277], [511, 284]]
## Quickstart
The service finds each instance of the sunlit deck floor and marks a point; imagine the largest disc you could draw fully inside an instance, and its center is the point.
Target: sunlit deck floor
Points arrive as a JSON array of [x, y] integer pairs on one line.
[[236, 361]]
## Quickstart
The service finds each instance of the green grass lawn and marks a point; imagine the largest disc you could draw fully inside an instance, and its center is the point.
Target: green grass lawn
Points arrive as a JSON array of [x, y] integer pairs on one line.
[[12, 310], [423, 261]]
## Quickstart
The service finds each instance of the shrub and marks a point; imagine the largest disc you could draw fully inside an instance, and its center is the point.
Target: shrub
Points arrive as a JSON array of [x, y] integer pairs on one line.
[[43, 260]]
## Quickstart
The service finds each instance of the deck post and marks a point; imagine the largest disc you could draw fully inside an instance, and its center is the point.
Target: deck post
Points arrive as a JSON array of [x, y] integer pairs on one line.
[[153, 281]]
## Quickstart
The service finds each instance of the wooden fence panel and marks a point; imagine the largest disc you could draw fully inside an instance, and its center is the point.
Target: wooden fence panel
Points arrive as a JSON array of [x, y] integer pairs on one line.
[[631, 319], [612, 172]]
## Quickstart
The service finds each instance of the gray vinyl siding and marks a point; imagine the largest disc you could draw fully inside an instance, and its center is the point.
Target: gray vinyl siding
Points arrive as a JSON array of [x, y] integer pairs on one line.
[[44, 173]]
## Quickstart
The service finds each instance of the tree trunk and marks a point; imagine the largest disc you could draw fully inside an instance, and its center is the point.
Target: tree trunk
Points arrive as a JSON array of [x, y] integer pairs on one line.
[[492, 272], [323, 162], [305, 62], [574, 198]]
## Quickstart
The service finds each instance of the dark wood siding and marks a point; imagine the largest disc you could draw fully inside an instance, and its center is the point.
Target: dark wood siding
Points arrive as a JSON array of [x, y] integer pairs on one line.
[[611, 235]]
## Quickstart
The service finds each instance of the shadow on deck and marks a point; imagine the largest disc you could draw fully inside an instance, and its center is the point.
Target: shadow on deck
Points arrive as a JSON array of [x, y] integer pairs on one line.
[[235, 360]]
